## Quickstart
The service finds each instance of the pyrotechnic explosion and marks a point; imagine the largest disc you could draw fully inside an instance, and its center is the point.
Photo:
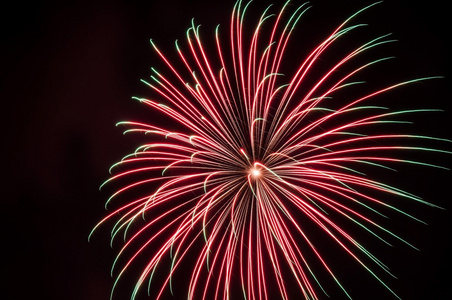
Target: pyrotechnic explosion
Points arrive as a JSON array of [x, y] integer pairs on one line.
[[261, 166]]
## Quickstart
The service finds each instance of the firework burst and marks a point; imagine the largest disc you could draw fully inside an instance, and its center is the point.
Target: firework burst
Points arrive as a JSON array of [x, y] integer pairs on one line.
[[259, 164]]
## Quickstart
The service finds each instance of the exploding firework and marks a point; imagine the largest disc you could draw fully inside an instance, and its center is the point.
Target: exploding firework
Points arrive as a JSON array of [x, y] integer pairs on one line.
[[263, 161]]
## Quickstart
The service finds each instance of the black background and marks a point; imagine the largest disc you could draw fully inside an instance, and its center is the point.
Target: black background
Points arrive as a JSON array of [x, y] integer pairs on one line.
[[68, 71]]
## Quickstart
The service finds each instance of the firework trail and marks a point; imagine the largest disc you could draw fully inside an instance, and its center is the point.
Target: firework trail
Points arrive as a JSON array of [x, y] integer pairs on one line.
[[261, 166]]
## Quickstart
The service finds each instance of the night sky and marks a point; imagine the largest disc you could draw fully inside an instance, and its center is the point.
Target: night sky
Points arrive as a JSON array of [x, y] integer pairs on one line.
[[68, 72]]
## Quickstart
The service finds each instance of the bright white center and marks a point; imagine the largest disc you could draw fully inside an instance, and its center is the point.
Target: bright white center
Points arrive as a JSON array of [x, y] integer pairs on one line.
[[255, 172]]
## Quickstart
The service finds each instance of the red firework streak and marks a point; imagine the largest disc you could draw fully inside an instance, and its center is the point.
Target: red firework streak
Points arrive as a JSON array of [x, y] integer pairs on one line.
[[258, 160]]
